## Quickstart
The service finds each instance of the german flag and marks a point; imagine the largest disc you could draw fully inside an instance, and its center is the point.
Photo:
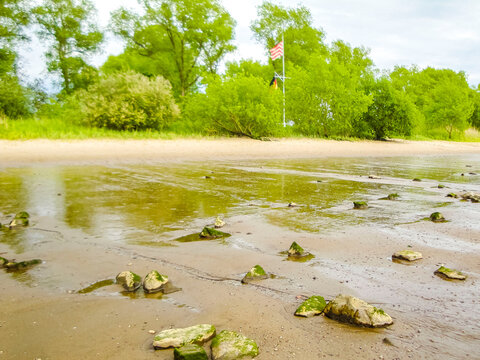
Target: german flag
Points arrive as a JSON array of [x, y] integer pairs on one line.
[[273, 83]]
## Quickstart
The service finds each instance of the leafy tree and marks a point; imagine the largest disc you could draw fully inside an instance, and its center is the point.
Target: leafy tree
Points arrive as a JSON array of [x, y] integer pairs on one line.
[[128, 101], [13, 16], [475, 118], [68, 25], [392, 112], [301, 38], [184, 38]]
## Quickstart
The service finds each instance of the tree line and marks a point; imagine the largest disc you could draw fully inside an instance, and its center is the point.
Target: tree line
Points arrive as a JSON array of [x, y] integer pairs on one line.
[[168, 77]]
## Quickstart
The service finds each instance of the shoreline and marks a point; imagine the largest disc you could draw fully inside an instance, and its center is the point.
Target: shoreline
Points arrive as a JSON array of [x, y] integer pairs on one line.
[[99, 151]]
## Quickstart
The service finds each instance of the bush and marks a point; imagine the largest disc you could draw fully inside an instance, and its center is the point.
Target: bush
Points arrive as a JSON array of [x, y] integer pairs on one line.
[[244, 106], [14, 102], [128, 101]]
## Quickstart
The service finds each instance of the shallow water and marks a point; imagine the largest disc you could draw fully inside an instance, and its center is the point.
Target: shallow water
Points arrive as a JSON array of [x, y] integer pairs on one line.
[[153, 205]]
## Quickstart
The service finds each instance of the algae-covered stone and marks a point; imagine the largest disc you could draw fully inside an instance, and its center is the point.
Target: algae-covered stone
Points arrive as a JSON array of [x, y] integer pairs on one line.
[[219, 223], [440, 186], [407, 255], [473, 197], [313, 306], [198, 334], [229, 345], [295, 250], [393, 196], [255, 273], [20, 219], [3, 261], [209, 233], [292, 204], [450, 273], [190, 352], [452, 195], [154, 282], [437, 217], [352, 310], [129, 280], [12, 265], [417, 179], [360, 205]]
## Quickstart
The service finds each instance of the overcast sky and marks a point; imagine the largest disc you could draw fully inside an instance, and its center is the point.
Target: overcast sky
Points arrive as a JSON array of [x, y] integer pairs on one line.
[[438, 33]]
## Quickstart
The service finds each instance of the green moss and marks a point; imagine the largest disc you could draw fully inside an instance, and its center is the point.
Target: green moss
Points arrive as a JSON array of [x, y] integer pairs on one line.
[[190, 352], [360, 205], [15, 266], [437, 217], [295, 249], [452, 195], [238, 346], [210, 233], [22, 215], [379, 311], [97, 285], [313, 306], [136, 278], [3, 261], [440, 186], [257, 270]]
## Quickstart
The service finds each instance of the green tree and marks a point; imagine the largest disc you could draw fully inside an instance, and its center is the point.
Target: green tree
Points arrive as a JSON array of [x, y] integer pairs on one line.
[[392, 112], [185, 38], [475, 118], [301, 37], [68, 25], [13, 16]]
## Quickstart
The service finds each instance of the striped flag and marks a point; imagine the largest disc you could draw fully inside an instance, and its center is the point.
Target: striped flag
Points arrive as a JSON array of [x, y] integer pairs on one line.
[[277, 51]]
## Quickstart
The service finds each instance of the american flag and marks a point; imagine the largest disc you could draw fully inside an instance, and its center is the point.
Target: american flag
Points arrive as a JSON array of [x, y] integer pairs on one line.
[[277, 51]]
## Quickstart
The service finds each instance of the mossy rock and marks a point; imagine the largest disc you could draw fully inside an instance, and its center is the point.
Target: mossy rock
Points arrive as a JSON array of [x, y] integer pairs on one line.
[[3, 261], [219, 223], [292, 204], [313, 306], [190, 352], [210, 233], [15, 266], [440, 186], [437, 217], [407, 255], [417, 179], [452, 195], [473, 197], [255, 273], [129, 280], [360, 205], [154, 282], [20, 219], [393, 196], [449, 274], [198, 334], [229, 345], [349, 309], [295, 250]]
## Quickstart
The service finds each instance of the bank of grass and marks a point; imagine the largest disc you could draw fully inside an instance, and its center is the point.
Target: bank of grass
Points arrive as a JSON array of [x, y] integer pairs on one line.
[[57, 128]]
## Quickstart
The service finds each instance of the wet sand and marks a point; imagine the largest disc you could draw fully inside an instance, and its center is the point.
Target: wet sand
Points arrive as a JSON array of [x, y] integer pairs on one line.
[[42, 317]]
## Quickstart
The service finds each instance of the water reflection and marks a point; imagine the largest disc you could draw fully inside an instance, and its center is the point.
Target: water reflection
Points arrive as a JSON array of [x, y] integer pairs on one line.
[[144, 205]]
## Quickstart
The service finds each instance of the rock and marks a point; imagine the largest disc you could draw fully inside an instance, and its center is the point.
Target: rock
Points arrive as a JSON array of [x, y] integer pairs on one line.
[[360, 205], [473, 197], [452, 195], [219, 223], [393, 196], [256, 273], [472, 173], [313, 306], [417, 179], [352, 310], [440, 186], [449, 273], [20, 219], [11, 265], [154, 282], [198, 334], [296, 250], [190, 352], [292, 204], [374, 177], [3, 261], [229, 345], [437, 217], [129, 280], [209, 233], [407, 255]]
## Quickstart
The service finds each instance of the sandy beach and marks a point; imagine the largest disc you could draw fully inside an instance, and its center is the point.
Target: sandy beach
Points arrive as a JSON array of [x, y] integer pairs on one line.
[[98, 151], [86, 228]]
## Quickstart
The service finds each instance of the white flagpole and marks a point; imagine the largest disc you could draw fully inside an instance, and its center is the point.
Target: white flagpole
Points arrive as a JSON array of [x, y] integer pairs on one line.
[[283, 40]]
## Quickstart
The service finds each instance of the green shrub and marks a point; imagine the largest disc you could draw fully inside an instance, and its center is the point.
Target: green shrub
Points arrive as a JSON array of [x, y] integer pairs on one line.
[[14, 102], [244, 106], [128, 101]]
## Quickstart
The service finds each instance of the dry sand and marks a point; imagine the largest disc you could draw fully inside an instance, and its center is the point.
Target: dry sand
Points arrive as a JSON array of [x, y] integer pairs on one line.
[[48, 322], [97, 151]]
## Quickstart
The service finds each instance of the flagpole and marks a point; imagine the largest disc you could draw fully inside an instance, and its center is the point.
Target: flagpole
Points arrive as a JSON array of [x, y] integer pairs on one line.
[[283, 40]]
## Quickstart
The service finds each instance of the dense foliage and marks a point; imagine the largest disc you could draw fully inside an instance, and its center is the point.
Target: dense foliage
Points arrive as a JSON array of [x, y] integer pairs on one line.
[[128, 101], [168, 79]]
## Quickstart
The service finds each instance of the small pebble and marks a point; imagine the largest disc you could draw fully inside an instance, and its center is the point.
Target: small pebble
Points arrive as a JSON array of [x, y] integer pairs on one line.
[[151, 331]]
